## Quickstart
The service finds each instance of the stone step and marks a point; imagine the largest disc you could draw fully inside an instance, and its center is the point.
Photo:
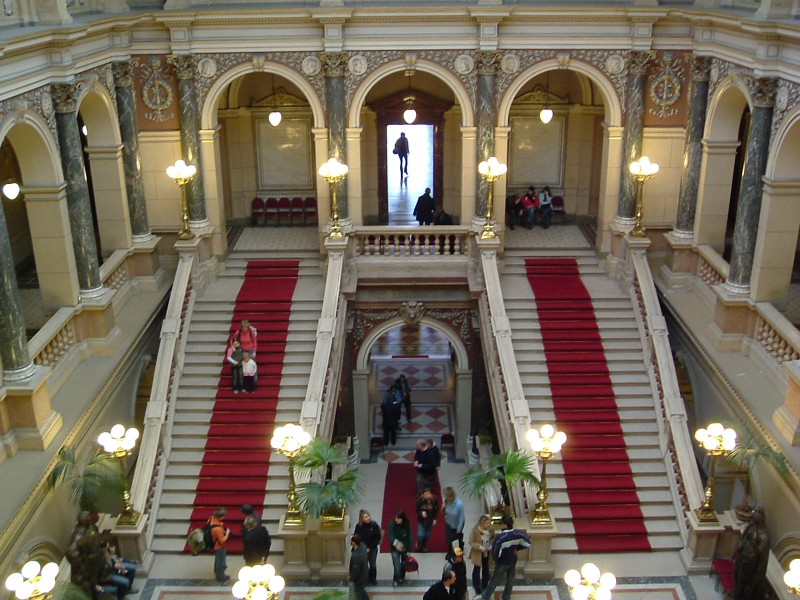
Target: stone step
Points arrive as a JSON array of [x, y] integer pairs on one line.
[[289, 401], [617, 379], [619, 390], [652, 496], [651, 512], [665, 542], [610, 347], [628, 416]]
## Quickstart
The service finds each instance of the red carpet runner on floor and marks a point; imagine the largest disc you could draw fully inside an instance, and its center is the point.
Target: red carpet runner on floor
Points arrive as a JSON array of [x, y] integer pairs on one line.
[[236, 459], [602, 494], [400, 493]]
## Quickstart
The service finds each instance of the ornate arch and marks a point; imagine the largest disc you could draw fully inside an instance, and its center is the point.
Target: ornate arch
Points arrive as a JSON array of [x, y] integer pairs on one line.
[[208, 113], [725, 108], [613, 106], [99, 112], [369, 326], [35, 147], [782, 160], [421, 64]]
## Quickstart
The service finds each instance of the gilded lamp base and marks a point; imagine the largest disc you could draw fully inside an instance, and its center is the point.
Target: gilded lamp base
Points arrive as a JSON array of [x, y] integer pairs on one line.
[[129, 519], [294, 518]]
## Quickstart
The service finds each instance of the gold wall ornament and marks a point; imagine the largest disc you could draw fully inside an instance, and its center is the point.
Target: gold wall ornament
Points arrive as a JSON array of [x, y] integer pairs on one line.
[[156, 91], [666, 87], [412, 312]]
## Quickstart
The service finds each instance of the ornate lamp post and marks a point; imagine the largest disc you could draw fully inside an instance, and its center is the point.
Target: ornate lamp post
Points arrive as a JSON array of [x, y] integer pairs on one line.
[[258, 583], [181, 173], [546, 443], [792, 577], [290, 440], [333, 172], [119, 443], [490, 170], [642, 170], [716, 440], [589, 584], [33, 582]]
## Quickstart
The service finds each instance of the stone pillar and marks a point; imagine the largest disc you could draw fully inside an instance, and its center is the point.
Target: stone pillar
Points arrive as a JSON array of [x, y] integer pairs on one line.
[[14, 354], [335, 64], [692, 148], [632, 136], [487, 63], [134, 184], [190, 136], [749, 205], [78, 203]]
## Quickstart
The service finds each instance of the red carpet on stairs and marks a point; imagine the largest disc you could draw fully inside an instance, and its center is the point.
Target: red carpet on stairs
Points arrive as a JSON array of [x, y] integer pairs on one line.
[[400, 493], [605, 506], [236, 458]]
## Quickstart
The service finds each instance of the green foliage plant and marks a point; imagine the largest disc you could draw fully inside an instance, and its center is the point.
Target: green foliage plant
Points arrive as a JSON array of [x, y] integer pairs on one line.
[[88, 480], [326, 495], [506, 468]]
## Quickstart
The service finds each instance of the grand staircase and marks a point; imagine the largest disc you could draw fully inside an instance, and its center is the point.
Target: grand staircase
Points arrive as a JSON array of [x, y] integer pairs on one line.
[[204, 353], [621, 343]]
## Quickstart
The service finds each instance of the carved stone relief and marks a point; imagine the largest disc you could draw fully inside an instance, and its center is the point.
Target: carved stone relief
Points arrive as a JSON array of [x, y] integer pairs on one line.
[[665, 85], [157, 93]]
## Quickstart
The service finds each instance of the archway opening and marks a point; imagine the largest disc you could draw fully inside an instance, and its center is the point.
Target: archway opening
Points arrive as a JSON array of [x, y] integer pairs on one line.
[[404, 186]]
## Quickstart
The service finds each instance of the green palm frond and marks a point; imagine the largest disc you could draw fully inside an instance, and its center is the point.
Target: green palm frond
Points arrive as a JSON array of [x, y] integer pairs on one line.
[[517, 465], [750, 447], [318, 454], [316, 498], [85, 484], [476, 480]]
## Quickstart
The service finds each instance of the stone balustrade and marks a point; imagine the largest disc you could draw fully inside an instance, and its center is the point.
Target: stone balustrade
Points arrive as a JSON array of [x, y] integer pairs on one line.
[[114, 271], [411, 241]]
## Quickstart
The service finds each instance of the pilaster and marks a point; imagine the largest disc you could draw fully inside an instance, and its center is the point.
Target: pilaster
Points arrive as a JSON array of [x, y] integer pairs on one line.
[[27, 411]]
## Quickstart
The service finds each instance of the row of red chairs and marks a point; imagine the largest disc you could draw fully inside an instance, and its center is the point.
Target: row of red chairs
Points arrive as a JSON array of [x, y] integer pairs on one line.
[[295, 210]]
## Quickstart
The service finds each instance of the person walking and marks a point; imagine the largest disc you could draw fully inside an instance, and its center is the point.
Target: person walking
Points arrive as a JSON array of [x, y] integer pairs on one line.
[[405, 389], [401, 540], [257, 542], [391, 408], [401, 150], [358, 568], [425, 465], [456, 564], [427, 511], [247, 336], [370, 533], [504, 549], [424, 208], [480, 544], [220, 534], [453, 519], [234, 358], [247, 510], [444, 589]]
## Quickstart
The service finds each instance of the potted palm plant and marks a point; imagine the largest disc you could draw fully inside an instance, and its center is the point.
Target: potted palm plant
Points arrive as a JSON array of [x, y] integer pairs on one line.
[[332, 486], [91, 481], [750, 448], [494, 478]]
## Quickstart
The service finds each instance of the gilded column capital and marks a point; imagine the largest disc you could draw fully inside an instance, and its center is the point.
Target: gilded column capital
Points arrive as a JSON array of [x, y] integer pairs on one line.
[[183, 64], [65, 96], [764, 90], [701, 68], [640, 61], [488, 61], [123, 73], [334, 63]]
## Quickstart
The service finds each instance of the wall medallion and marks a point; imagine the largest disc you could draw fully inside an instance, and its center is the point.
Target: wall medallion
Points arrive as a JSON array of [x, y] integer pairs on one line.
[[510, 63], [206, 67], [615, 64], [782, 98], [311, 65], [464, 64], [357, 65]]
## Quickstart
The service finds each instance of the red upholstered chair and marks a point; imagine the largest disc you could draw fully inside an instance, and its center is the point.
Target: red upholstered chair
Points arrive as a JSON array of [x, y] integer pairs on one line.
[[722, 568], [284, 208], [309, 209], [558, 207], [296, 211], [257, 210], [270, 210]]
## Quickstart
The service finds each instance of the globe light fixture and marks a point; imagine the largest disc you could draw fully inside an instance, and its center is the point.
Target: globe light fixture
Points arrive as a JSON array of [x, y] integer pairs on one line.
[[490, 170], [258, 582], [716, 440], [546, 443], [11, 190], [546, 115], [33, 581], [409, 114], [589, 583], [119, 443], [181, 173], [275, 117], [792, 577], [642, 171], [289, 440], [333, 172]]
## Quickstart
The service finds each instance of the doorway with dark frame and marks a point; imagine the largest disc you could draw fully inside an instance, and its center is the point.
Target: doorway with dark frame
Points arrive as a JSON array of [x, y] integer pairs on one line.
[[404, 190]]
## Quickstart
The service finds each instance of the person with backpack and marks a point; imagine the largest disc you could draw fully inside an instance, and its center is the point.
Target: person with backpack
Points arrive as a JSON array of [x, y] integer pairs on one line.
[[504, 549], [401, 540], [219, 536]]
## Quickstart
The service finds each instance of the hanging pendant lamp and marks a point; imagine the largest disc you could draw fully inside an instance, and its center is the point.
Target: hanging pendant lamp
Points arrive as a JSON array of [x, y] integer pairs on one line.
[[275, 116], [409, 114], [546, 114]]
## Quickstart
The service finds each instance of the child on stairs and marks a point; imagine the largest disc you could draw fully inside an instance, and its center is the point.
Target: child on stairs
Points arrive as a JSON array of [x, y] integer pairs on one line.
[[249, 370]]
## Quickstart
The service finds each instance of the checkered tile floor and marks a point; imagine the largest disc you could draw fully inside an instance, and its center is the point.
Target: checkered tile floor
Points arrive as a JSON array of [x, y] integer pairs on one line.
[[427, 421], [421, 375]]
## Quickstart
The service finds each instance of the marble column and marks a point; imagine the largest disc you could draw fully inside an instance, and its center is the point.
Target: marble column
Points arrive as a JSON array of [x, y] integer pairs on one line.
[[81, 222], [134, 184], [190, 136], [335, 65], [487, 63], [745, 230], [13, 339], [632, 136], [692, 148]]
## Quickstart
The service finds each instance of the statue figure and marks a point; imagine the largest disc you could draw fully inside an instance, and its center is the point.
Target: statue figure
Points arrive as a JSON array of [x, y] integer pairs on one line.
[[84, 554], [751, 558]]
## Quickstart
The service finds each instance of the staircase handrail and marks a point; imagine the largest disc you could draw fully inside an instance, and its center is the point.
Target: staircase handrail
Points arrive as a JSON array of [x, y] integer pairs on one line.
[[501, 364], [674, 436], [428, 240], [320, 398], [155, 443]]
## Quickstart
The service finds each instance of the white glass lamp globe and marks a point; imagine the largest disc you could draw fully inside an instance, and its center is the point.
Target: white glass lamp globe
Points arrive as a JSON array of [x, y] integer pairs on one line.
[[240, 589], [409, 115], [546, 115], [11, 190], [275, 118]]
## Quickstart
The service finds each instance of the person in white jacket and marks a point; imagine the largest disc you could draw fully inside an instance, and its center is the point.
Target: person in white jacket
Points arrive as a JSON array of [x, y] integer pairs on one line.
[[249, 370]]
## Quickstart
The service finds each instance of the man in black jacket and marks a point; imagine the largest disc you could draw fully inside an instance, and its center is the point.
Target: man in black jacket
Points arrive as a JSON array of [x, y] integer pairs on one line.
[[423, 211], [257, 542], [359, 568], [444, 589]]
